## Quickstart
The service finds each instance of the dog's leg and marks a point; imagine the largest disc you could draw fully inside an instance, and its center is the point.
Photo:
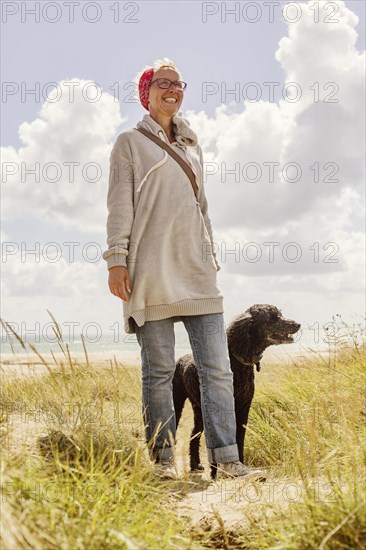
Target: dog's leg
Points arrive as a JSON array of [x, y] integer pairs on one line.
[[241, 423], [179, 398], [213, 467], [179, 393], [194, 444]]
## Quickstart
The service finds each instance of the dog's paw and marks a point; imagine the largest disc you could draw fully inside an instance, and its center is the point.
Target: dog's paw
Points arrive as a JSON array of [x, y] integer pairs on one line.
[[198, 468]]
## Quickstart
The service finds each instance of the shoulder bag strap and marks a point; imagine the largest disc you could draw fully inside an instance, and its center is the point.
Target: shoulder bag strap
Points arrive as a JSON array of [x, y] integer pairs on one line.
[[184, 165]]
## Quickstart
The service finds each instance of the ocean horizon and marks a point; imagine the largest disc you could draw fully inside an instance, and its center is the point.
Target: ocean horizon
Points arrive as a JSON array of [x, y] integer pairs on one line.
[[126, 345]]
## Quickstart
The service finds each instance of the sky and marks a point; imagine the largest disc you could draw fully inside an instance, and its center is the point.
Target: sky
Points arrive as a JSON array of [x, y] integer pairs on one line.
[[276, 96]]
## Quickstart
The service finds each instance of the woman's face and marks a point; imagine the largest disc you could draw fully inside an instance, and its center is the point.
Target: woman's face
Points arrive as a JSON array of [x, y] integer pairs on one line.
[[159, 102]]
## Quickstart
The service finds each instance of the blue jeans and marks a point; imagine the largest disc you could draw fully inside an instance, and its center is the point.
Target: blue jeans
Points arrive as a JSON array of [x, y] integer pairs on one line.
[[208, 342]]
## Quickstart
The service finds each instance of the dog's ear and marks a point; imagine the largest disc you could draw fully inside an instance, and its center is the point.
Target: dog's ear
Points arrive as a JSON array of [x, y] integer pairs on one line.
[[238, 335]]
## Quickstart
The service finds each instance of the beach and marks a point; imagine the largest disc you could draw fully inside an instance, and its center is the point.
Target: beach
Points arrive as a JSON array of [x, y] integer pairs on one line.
[[30, 364]]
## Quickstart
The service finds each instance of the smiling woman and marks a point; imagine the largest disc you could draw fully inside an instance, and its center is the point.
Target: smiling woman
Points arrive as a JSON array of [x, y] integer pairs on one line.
[[161, 93], [162, 264]]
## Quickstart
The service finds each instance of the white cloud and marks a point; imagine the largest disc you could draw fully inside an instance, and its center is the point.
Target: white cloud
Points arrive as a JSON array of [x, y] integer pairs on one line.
[[306, 132], [305, 212], [67, 131], [38, 277]]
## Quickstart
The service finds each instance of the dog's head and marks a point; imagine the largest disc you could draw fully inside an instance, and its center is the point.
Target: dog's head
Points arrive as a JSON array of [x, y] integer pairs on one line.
[[259, 327], [270, 326]]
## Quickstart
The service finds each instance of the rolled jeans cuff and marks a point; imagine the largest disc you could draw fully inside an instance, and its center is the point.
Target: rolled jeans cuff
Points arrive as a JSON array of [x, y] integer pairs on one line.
[[229, 453]]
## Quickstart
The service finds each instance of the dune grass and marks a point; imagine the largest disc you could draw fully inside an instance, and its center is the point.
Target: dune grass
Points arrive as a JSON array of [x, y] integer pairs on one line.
[[84, 480], [310, 431]]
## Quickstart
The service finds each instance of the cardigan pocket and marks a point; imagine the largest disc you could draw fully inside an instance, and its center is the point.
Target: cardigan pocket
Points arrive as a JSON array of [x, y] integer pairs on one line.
[[207, 240]]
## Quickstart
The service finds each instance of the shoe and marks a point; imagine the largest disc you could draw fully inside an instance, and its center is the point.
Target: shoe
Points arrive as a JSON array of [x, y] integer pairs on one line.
[[165, 470], [237, 469]]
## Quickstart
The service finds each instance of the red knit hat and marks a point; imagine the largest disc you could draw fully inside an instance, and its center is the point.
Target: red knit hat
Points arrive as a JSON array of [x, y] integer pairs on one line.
[[144, 83]]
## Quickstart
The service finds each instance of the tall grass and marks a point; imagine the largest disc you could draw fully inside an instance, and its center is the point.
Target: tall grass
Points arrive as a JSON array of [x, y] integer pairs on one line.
[[307, 426], [84, 479], [311, 432], [86, 482]]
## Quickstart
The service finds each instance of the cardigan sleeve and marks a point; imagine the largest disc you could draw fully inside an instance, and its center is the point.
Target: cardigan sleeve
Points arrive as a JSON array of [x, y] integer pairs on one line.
[[120, 203], [202, 199]]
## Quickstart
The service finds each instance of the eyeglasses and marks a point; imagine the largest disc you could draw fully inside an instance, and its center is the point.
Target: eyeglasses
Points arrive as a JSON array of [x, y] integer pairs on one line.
[[165, 84]]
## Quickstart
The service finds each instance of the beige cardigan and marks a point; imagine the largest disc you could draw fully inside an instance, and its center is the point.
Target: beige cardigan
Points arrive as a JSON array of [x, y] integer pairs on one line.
[[158, 229]]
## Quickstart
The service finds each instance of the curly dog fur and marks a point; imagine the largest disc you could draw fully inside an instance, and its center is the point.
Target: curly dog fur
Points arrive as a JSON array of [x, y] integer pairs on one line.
[[248, 336]]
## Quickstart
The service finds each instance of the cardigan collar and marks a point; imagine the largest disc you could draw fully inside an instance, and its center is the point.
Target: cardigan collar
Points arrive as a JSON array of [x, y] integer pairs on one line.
[[184, 135]]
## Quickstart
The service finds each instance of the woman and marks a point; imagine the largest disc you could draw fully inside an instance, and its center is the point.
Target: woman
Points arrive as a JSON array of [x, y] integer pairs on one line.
[[162, 264]]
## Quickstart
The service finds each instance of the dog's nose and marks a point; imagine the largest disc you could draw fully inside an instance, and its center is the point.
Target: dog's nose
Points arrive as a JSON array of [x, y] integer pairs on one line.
[[297, 325]]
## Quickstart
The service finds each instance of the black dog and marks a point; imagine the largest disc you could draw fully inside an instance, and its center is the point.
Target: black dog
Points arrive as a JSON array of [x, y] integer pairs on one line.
[[248, 335]]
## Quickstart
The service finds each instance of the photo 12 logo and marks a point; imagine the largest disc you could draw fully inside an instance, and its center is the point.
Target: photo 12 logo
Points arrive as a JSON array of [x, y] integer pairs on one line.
[[70, 12], [268, 12], [252, 92], [67, 91]]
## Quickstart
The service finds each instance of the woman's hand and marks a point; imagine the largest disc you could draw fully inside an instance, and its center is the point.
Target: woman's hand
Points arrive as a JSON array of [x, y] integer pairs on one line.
[[119, 282]]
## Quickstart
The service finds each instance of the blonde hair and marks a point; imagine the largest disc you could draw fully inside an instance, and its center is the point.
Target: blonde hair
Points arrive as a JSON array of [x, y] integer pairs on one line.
[[158, 64]]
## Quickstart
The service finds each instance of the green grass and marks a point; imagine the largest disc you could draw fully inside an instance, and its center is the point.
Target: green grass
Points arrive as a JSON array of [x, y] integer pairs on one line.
[[84, 480], [307, 426], [315, 434]]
